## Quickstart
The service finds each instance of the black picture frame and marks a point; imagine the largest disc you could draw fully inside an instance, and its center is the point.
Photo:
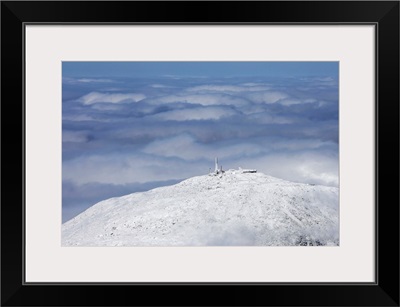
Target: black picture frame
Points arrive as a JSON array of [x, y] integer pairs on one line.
[[383, 14]]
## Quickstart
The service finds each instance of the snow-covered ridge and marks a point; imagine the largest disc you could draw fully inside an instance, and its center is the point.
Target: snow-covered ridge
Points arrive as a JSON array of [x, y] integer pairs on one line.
[[233, 208]]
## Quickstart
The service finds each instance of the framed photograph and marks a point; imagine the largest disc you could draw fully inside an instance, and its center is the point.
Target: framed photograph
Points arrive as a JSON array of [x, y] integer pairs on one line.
[[239, 147]]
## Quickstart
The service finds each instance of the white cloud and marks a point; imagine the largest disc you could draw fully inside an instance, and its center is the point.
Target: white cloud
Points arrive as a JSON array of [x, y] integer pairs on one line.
[[203, 113], [202, 99], [254, 84], [105, 106], [78, 117], [74, 136], [297, 145], [267, 96], [97, 97], [311, 167], [181, 146], [187, 148], [293, 101], [160, 86], [127, 168], [226, 88], [86, 80], [325, 79], [112, 89], [267, 118]]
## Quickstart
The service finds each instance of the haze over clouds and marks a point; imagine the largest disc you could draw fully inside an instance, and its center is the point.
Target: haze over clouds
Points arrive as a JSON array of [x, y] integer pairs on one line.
[[133, 127]]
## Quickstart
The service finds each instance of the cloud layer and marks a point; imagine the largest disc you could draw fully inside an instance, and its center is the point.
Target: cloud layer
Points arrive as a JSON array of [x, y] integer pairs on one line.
[[96, 97], [154, 131]]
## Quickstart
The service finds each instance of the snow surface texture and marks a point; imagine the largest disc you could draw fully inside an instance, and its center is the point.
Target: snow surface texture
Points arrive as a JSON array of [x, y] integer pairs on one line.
[[230, 209]]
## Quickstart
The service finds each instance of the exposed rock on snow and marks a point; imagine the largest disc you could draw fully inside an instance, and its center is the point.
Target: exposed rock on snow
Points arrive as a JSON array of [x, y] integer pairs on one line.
[[234, 208]]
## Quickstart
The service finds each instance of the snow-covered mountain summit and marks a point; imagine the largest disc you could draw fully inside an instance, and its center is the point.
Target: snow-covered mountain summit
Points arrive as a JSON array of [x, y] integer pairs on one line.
[[231, 208]]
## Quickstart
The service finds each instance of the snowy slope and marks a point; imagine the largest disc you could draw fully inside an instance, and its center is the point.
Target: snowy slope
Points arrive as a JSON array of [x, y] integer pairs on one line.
[[234, 208]]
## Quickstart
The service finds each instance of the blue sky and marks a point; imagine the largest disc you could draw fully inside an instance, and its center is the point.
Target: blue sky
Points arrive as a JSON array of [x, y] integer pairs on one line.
[[133, 126], [200, 69]]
